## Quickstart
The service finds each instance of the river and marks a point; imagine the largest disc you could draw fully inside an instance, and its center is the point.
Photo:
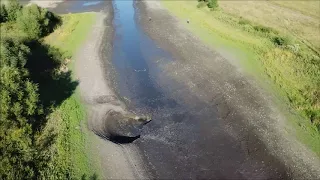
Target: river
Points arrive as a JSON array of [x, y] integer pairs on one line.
[[185, 139]]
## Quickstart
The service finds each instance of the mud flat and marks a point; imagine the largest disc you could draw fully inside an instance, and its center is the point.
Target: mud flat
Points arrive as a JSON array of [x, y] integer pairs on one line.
[[250, 141]]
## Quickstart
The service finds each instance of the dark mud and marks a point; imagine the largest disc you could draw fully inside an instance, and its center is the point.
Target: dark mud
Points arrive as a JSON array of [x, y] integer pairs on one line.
[[189, 136], [223, 126]]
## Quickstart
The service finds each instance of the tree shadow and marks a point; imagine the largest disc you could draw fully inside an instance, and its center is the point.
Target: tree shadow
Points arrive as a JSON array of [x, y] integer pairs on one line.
[[54, 84]]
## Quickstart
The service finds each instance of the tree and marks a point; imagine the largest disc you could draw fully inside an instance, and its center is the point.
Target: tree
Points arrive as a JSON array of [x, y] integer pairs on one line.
[[18, 105], [13, 7], [36, 21]]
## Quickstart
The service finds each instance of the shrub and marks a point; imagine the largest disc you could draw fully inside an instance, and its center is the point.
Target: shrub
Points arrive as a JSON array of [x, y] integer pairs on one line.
[[36, 22], [213, 4], [282, 40], [3, 13], [13, 8]]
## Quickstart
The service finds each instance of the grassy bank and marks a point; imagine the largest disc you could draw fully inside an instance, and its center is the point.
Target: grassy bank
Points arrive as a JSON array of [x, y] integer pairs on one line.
[[283, 62], [69, 117], [43, 129]]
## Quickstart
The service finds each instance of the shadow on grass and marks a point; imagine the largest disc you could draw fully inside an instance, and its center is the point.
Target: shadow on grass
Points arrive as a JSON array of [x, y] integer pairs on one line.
[[44, 64]]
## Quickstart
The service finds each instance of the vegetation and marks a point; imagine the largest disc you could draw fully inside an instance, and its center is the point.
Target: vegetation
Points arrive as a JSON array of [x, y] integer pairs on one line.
[[70, 114], [212, 4], [36, 22], [12, 9], [288, 17], [3, 13], [40, 111], [289, 61]]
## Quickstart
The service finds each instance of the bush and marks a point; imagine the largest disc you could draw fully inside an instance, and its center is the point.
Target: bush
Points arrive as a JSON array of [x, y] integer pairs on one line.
[[213, 4], [282, 40], [3, 13], [36, 22], [13, 8]]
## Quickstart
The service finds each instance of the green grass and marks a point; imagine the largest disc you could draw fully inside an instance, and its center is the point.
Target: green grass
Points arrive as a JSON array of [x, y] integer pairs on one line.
[[70, 115], [71, 34], [268, 54]]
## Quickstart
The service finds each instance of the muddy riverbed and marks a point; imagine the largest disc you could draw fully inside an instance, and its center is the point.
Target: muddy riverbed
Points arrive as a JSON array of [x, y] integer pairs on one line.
[[209, 120]]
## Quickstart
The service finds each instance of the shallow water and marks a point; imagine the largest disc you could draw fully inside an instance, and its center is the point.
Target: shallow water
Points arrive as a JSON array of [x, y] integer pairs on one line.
[[133, 55], [90, 3]]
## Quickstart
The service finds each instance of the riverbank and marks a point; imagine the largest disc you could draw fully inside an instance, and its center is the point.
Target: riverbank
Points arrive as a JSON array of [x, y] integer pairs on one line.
[[49, 139], [277, 68], [73, 137], [247, 111], [95, 73]]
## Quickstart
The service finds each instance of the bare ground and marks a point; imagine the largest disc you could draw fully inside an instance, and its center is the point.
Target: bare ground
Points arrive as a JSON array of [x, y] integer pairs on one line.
[[247, 111]]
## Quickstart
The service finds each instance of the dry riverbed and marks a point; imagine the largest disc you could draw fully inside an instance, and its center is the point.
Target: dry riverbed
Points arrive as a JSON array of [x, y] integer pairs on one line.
[[248, 113]]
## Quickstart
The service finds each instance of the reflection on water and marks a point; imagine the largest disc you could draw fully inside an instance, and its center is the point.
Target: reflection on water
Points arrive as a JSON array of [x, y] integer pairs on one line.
[[90, 3], [133, 54]]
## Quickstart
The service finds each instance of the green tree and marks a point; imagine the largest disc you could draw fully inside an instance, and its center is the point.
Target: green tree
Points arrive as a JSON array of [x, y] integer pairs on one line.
[[13, 7], [18, 106], [213, 4], [36, 21]]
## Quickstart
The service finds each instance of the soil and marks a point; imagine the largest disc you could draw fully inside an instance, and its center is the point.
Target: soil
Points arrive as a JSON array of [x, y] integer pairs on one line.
[[245, 110]]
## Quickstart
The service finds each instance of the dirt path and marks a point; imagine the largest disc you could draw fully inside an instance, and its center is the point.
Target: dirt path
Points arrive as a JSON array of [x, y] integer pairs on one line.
[[248, 113]]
